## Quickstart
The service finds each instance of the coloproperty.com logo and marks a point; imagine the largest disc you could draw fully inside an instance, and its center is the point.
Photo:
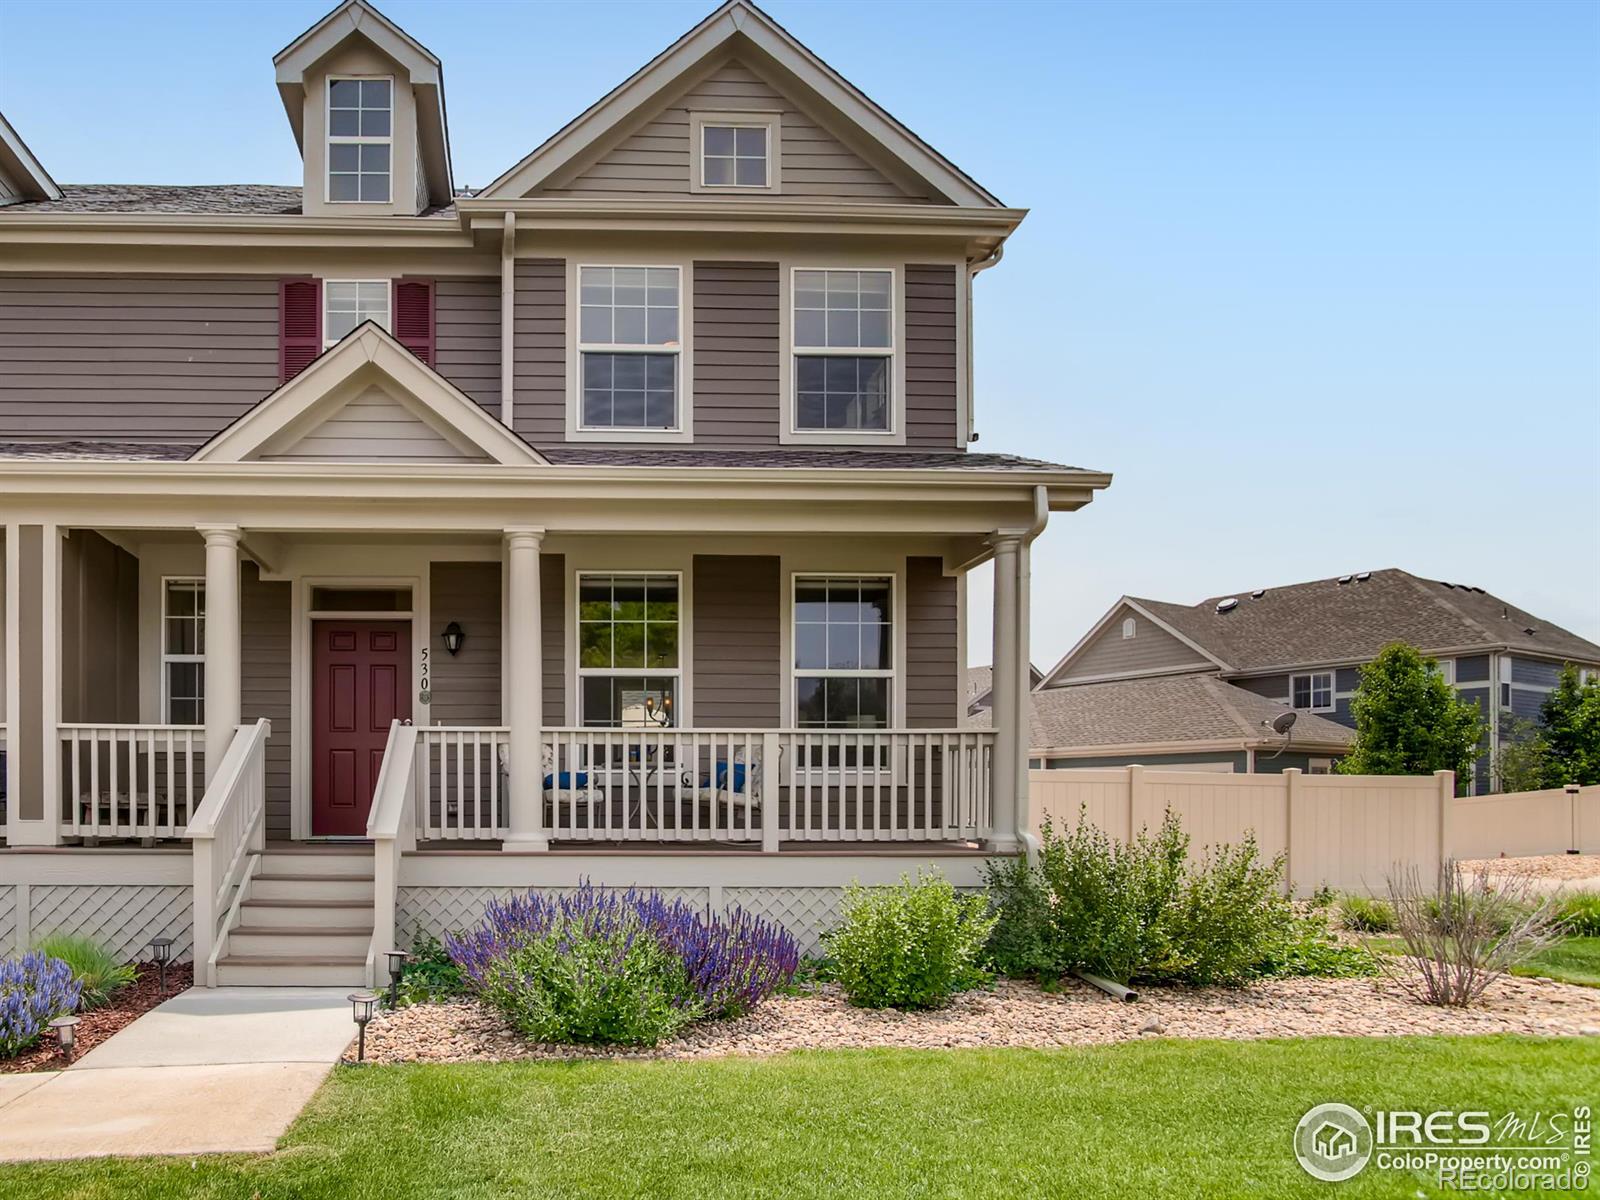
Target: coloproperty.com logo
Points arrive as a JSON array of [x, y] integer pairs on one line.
[[1472, 1150]]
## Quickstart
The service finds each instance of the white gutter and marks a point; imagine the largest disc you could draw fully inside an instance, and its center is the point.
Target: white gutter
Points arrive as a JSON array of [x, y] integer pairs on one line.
[[508, 298]]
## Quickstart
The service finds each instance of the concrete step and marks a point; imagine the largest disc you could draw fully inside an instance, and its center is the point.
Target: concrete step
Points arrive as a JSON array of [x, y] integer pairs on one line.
[[239, 970], [354, 861], [270, 885], [249, 941], [292, 914]]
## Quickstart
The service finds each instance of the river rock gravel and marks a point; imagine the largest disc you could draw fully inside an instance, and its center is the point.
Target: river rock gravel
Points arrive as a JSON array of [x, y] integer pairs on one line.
[[1022, 1014]]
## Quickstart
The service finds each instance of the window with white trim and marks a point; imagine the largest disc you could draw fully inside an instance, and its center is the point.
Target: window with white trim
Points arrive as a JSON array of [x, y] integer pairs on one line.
[[628, 347], [735, 155], [843, 337], [843, 651], [346, 303], [1319, 766], [1445, 669], [183, 652], [360, 140], [1129, 627], [1312, 692], [629, 664]]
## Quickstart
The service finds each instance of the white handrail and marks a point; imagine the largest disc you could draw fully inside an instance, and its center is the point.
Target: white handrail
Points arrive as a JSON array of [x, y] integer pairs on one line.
[[228, 831], [392, 826]]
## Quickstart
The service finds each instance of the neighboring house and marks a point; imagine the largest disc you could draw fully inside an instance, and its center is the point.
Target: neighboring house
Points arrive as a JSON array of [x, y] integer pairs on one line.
[[980, 687], [624, 503], [1299, 647]]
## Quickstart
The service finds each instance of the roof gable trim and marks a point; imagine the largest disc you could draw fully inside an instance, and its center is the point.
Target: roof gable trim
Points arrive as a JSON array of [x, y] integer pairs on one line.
[[1105, 621]]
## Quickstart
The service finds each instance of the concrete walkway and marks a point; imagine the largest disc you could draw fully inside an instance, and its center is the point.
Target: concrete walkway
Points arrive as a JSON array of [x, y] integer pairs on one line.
[[211, 1071]]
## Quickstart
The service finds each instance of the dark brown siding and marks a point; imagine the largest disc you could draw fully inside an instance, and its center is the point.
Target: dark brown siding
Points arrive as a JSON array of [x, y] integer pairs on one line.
[[137, 358], [737, 641], [553, 616], [931, 357], [467, 337], [539, 327], [99, 630], [466, 686], [735, 353], [265, 690], [932, 672]]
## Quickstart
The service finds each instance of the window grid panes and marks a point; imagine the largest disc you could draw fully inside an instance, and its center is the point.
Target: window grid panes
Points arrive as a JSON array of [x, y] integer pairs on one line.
[[347, 303], [1313, 692], [734, 156], [843, 652], [628, 338], [360, 132], [843, 339], [628, 649], [183, 641]]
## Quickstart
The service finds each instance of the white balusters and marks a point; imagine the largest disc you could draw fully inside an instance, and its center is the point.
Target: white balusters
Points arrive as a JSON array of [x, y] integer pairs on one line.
[[130, 781]]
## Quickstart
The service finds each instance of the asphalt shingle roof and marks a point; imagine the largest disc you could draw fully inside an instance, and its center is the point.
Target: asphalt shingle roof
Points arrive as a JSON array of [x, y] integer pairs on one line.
[[206, 199]]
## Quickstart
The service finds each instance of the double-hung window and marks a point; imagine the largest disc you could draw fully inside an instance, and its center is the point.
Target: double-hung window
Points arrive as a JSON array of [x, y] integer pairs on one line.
[[843, 350], [843, 651], [346, 303], [183, 651], [628, 656], [360, 140], [628, 347], [1312, 692]]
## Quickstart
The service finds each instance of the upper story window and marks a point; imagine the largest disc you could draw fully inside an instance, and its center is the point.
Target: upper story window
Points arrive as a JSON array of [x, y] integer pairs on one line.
[[843, 349], [349, 302], [628, 659], [360, 140], [843, 651], [1445, 668], [734, 156], [1313, 692], [628, 347]]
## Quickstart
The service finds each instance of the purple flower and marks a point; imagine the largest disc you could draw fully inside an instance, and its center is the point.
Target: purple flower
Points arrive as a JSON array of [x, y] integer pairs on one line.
[[34, 989]]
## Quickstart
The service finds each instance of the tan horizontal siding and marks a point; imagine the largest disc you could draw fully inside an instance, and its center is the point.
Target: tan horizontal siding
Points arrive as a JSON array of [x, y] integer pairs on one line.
[[932, 673], [539, 327], [466, 686], [467, 336], [931, 334], [736, 353], [737, 641], [553, 617], [265, 688]]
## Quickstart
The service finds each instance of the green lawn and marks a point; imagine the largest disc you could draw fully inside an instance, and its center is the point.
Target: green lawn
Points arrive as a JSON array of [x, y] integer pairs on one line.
[[1575, 960], [1152, 1118]]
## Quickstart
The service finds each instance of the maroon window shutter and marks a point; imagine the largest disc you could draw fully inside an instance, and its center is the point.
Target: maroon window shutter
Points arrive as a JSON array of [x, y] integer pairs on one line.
[[413, 316], [299, 326]]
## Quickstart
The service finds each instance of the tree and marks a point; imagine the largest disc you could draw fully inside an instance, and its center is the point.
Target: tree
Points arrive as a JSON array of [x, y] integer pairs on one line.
[[1409, 721], [1571, 717], [1522, 763]]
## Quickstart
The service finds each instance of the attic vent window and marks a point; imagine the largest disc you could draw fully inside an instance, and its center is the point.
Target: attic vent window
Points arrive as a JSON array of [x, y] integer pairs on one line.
[[1228, 605], [734, 156], [1130, 627], [360, 139]]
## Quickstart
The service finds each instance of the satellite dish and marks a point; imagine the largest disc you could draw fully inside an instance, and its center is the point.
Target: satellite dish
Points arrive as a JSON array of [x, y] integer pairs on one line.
[[1281, 725]]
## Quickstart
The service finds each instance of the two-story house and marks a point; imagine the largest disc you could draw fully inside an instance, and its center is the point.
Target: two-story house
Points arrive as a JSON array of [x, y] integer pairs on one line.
[[1175, 684], [373, 546]]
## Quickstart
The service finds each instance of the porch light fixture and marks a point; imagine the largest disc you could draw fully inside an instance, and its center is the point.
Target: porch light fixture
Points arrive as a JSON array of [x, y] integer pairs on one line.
[[66, 1034], [161, 951], [362, 1006], [453, 637], [397, 966], [661, 715]]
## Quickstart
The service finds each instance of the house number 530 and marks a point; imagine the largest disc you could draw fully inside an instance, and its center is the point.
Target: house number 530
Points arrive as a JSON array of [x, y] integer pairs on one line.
[[424, 690]]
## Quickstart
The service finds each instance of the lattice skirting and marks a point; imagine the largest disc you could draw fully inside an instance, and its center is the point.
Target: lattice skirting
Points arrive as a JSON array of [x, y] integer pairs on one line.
[[420, 911], [8, 920], [121, 917]]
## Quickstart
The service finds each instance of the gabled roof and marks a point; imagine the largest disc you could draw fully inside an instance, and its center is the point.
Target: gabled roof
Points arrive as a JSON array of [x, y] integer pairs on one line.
[[358, 18], [980, 684], [21, 170], [369, 353], [739, 25], [1142, 607]]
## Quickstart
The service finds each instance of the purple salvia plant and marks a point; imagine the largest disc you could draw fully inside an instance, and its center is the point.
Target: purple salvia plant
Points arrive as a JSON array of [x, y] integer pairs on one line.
[[34, 989]]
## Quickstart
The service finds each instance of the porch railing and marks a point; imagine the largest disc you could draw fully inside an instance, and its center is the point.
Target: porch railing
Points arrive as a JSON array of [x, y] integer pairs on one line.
[[393, 832], [228, 832], [130, 781]]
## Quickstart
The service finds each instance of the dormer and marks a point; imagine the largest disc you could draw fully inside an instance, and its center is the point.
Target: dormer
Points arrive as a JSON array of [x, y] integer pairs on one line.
[[366, 102]]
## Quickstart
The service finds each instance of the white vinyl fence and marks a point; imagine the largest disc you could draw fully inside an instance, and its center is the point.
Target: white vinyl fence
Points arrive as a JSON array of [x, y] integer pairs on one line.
[[1348, 832]]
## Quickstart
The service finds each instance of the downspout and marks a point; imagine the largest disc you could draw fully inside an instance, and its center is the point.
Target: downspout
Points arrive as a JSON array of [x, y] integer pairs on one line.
[[508, 297], [973, 271]]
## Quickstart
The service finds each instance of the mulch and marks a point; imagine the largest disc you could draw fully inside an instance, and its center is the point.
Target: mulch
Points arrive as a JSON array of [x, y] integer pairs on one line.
[[94, 1027]]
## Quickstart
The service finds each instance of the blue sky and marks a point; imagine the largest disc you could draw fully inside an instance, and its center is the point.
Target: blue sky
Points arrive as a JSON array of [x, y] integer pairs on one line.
[[1319, 282]]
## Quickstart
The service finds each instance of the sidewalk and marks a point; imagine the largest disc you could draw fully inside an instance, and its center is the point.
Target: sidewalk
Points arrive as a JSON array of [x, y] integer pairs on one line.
[[211, 1071]]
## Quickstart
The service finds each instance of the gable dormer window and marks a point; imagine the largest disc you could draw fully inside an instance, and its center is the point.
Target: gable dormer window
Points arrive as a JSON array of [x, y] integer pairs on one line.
[[360, 140], [346, 303], [735, 152]]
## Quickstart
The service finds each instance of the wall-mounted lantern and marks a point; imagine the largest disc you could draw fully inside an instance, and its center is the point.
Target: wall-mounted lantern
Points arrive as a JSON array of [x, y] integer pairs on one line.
[[453, 637]]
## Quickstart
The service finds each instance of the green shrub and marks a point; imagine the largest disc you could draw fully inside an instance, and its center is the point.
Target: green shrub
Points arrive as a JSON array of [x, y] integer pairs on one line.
[[1579, 913], [1306, 946], [93, 966], [1228, 915], [430, 975], [1365, 914], [913, 945]]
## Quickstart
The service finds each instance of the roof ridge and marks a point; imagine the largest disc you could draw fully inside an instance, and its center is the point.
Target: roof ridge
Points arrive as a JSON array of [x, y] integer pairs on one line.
[[1215, 685]]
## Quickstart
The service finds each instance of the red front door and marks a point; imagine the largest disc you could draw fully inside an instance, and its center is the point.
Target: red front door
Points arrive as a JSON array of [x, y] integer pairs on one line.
[[361, 680]]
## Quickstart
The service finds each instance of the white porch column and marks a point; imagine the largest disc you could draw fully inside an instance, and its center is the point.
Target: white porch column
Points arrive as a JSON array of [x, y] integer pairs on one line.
[[1007, 726], [33, 687], [223, 672], [525, 696]]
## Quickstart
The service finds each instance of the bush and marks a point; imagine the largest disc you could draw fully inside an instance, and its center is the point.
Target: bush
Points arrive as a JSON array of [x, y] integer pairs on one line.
[[430, 975], [913, 945], [1364, 914], [34, 990], [1307, 947], [1229, 916], [94, 967], [626, 967], [1579, 913]]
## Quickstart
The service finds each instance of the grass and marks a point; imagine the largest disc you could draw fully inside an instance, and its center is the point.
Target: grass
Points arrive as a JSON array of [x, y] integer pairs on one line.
[[1571, 960], [1169, 1118]]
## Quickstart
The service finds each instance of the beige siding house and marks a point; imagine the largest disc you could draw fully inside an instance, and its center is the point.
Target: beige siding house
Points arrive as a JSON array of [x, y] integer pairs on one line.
[[372, 547]]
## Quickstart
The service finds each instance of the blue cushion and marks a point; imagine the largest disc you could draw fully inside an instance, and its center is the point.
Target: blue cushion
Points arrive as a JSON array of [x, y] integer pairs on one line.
[[722, 777], [567, 780]]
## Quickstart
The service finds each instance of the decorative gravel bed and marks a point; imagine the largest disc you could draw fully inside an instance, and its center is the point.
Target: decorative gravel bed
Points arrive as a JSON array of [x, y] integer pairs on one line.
[[1562, 867], [1022, 1014], [94, 1027]]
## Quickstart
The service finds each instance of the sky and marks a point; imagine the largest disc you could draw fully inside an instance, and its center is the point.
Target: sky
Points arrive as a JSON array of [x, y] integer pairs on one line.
[[1319, 283]]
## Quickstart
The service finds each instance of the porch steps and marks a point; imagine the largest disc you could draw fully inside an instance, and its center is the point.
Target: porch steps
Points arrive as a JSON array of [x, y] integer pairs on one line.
[[306, 920]]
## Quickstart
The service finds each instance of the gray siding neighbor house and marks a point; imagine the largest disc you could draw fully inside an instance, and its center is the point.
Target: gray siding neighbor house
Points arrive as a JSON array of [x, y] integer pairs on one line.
[[1299, 647]]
